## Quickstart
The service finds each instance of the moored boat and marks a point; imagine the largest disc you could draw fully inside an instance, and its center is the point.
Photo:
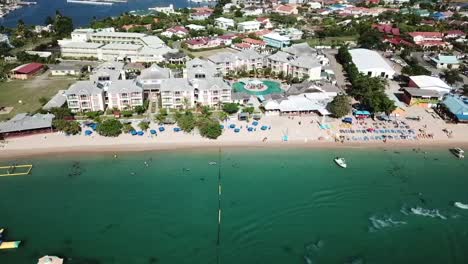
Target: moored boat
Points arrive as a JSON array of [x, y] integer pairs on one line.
[[9, 244], [458, 152], [461, 205], [341, 162]]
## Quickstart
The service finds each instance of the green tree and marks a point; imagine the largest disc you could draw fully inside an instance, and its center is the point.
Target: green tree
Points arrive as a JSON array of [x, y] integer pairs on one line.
[[127, 113], [69, 127], [127, 128], [93, 114], [139, 109], [238, 13], [186, 121], [144, 125], [161, 116], [340, 106], [452, 76], [61, 112], [230, 108], [209, 128], [110, 128], [206, 111], [63, 25], [43, 100]]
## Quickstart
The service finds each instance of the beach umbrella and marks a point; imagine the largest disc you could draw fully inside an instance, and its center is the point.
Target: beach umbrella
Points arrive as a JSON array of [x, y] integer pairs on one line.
[[153, 132], [250, 129], [232, 126], [133, 132], [88, 132], [237, 130], [255, 123], [176, 129], [264, 128], [161, 129], [140, 133]]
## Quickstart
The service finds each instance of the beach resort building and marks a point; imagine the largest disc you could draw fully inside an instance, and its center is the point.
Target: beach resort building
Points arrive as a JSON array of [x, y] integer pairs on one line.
[[297, 66], [371, 63], [276, 40], [123, 94], [224, 23], [84, 96], [248, 26], [203, 43], [421, 97], [246, 60], [26, 71], [429, 39], [445, 62], [25, 124], [429, 83], [456, 107], [108, 45], [304, 98], [182, 92]]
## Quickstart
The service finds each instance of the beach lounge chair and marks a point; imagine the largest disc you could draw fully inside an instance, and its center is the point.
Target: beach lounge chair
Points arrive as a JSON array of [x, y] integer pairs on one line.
[[133, 132], [161, 129], [232, 126], [153, 132]]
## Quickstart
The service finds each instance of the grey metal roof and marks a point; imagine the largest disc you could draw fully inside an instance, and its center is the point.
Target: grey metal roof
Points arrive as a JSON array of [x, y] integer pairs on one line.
[[281, 56], [422, 92], [182, 84], [154, 73], [198, 66], [22, 122], [231, 57], [306, 62], [64, 67], [312, 87], [122, 86], [300, 49], [57, 101], [83, 87]]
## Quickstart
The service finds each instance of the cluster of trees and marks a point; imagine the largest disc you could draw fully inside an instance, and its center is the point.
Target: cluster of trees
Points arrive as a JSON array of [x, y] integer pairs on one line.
[[370, 91], [413, 67], [207, 125], [110, 128], [63, 120], [340, 106]]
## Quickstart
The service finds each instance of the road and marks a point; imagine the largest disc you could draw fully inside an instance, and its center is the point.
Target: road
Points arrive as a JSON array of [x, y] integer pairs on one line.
[[419, 57], [337, 68]]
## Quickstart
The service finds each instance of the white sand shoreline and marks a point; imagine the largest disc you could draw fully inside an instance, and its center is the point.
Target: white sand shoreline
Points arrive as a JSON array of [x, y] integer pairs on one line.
[[303, 132]]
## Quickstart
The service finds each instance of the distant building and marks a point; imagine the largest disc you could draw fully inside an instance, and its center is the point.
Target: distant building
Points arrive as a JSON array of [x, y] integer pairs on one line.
[[178, 31], [24, 124], [265, 22], [203, 43], [296, 66], [164, 9], [84, 96], [26, 71], [230, 62], [446, 62], [276, 40], [429, 83], [252, 11], [63, 69], [371, 63], [421, 97], [224, 23], [248, 26], [456, 107], [286, 10], [201, 15], [195, 27]]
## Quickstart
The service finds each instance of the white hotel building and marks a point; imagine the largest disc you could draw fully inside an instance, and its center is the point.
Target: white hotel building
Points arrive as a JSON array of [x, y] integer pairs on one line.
[[108, 45]]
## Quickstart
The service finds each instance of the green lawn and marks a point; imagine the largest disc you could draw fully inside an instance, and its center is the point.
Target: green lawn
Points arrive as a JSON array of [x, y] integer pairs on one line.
[[29, 92], [330, 40]]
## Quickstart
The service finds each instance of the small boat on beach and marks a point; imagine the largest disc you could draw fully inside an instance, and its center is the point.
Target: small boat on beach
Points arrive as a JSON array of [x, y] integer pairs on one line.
[[461, 205], [7, 244], [458, 152], [340, 162]]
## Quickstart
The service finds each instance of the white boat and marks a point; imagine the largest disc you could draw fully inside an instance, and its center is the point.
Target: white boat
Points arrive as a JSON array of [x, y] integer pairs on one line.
[[458, 152], [340, 162], [461, 205]]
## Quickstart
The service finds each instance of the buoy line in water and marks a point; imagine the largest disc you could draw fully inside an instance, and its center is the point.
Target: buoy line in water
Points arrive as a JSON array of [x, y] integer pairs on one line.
[[218, 240]]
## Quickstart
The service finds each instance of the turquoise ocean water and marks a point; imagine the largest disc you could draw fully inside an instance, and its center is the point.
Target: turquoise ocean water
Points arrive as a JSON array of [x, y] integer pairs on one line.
[[278, 206]]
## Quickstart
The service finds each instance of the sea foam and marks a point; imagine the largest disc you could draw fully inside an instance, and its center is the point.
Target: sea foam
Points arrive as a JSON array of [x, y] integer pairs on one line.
[[385, 222], [434, 213]]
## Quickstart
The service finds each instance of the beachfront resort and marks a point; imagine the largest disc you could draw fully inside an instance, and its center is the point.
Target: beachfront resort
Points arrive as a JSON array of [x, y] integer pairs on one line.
[[242, 72]]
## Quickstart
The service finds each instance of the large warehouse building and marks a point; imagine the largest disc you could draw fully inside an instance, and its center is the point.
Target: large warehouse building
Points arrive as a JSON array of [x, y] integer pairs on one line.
[[371, 63]]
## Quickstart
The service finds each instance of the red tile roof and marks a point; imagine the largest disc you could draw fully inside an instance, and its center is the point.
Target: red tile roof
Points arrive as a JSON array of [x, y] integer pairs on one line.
[[30, 68], [426, 34], [198, 41], [253, 41], [178, 29], [455, 32], [262, 32], [262, 19], [242, 45], [285, 8]]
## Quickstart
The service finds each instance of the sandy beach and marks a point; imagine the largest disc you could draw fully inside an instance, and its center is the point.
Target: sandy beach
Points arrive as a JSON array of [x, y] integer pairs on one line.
[[302, 132]]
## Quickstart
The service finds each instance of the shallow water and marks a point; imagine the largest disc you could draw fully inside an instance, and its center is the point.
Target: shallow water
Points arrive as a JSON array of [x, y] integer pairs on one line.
[[278, 206]]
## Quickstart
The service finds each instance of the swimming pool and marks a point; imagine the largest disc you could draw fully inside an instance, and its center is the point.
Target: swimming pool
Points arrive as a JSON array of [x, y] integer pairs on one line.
[[273, 87]]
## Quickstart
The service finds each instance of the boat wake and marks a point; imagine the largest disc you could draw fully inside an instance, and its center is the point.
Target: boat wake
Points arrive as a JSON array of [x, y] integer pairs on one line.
[[381, 223], [433, 213]]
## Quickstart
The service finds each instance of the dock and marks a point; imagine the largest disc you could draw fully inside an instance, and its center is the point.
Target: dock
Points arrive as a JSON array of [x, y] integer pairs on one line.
[[15, 170]]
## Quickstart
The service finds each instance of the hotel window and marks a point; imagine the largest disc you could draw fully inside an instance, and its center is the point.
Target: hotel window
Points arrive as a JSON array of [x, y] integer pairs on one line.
[[177, 93], [124, 95], [83, 97]]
